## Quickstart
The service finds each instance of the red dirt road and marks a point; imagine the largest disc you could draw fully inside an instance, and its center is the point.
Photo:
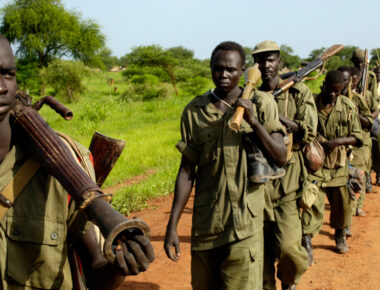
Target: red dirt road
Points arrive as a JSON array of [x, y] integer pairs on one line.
[[358, 269]]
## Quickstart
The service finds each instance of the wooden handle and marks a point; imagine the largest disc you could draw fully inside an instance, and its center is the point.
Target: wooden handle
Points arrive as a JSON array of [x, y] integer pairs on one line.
[[253, 75]]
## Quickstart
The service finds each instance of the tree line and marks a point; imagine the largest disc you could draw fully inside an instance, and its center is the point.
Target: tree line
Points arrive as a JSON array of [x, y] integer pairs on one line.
[[45, 32]]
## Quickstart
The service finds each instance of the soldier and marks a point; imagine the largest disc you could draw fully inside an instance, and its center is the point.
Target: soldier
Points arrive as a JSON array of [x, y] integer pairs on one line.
[[373, 100], [299, 115], [33, 231], [338, 127], [227, 229], [361, 156]]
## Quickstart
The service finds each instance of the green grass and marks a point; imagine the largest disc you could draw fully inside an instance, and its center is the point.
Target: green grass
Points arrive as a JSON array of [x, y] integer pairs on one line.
[[150, 130]]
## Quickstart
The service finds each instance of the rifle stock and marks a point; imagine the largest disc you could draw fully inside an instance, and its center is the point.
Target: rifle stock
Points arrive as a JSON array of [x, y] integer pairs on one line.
[[252, 76]]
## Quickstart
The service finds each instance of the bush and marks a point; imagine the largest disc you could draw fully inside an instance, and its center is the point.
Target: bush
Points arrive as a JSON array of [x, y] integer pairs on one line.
[[65, 77], [146, 91], [196, 86]]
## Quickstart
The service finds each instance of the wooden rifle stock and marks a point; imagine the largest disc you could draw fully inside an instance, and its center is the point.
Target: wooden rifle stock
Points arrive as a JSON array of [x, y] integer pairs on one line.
[[252, 76]]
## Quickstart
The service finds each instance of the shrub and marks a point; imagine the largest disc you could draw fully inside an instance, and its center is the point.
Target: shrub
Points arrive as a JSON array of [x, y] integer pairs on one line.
[[65, 77], [196, 86]]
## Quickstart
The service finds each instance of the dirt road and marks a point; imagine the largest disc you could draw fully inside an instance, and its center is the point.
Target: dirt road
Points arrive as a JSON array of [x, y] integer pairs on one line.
[[358, 269]]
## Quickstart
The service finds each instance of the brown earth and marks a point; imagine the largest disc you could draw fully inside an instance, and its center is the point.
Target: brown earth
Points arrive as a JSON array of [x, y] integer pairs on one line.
[[358, 269]]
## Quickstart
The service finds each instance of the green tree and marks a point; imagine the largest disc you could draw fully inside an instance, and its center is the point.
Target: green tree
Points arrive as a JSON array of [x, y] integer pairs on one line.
[[108, 59], [45, 30], [153, 56], [288, 58]]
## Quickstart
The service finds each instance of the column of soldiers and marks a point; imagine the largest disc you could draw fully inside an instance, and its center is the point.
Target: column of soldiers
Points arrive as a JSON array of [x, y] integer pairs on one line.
[[233, 244]]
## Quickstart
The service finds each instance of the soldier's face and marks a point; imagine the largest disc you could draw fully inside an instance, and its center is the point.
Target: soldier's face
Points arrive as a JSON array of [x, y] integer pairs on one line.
[[268, 64], [8, 85], [226, 70], [355, 81], [333, 90]]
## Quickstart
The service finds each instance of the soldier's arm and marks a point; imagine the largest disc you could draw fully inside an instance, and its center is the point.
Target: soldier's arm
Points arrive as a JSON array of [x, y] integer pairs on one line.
[[273, 143], [183, 186]]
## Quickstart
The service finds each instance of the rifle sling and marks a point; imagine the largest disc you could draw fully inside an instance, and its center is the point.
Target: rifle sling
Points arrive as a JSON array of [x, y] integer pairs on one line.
[[17, 184]]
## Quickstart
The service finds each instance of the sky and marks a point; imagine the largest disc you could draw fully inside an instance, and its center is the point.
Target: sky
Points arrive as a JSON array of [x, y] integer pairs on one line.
[[200, 25]]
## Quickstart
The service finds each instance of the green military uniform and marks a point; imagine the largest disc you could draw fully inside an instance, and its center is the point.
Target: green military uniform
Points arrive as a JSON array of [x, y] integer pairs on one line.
[[228, 211], [341, 122], [362, 156], [33, 233], [283, 237]]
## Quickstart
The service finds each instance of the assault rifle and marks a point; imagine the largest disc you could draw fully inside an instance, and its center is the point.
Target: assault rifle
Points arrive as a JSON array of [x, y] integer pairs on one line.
[[253, 75], [300, 75], [364, 77]]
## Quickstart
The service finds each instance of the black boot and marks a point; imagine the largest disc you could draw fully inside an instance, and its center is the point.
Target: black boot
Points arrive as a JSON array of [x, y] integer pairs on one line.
[[340, 240], [306, 243], [368, 183], [377, 178]]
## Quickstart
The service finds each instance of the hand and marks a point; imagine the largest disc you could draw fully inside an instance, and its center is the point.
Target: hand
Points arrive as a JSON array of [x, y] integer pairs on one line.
[[330, 145], [249, 114], [133, 255], [171, 240]]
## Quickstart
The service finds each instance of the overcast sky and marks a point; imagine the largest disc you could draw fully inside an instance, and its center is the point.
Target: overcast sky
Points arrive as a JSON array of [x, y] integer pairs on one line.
[[201, 24]]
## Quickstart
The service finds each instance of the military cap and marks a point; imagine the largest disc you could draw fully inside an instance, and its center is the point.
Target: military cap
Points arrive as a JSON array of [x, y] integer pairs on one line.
[[266, 45], [358, 53]]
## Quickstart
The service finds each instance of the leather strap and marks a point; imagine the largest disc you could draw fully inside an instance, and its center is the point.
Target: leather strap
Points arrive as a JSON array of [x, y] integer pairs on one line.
[[17, 184]]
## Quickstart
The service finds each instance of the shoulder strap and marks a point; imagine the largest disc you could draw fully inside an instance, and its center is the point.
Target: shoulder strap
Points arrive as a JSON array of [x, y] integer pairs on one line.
[[17, 184]]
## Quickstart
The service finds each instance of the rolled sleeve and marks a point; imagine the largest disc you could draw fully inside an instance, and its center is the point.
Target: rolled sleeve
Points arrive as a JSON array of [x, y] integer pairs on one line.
[[187, 151]]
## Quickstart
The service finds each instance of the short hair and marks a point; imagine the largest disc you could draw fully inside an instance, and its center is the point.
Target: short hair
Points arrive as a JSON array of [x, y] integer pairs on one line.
[[344, 68], [354, 71], [334, 77], [229, 45], [376, 69]]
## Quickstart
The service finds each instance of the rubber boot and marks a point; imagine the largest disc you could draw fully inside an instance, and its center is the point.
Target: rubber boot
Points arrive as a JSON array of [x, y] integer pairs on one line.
[[306, 243]]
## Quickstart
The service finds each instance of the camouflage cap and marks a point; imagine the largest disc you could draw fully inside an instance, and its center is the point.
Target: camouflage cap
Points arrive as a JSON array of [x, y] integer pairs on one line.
[[266, 45], [358, 53]]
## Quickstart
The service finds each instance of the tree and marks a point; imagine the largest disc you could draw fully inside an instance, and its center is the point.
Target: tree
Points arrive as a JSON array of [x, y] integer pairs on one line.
[[288, 59], [153, 56], [375, 57], [45, 30]]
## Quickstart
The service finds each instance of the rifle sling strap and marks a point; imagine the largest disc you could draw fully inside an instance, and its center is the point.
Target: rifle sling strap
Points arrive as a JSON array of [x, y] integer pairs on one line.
[[17, 184]]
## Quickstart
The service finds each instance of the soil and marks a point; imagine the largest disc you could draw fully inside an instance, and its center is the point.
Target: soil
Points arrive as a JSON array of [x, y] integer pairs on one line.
[[357, 269]]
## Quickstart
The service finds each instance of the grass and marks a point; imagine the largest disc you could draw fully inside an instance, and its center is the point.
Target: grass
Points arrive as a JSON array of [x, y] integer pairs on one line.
[[150, 130]]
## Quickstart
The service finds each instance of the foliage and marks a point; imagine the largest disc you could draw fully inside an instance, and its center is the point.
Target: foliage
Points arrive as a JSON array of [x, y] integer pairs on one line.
[[288, 59], [375, 57], [45, 30], [342, 58], [107, 59], [65, 77], [28, 78], [153, 56]]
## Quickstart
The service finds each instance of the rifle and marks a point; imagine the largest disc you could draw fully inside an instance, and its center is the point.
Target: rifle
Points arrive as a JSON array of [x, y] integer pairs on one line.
[[364, 77], [300, 74], [50, 151], [253, 75]]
